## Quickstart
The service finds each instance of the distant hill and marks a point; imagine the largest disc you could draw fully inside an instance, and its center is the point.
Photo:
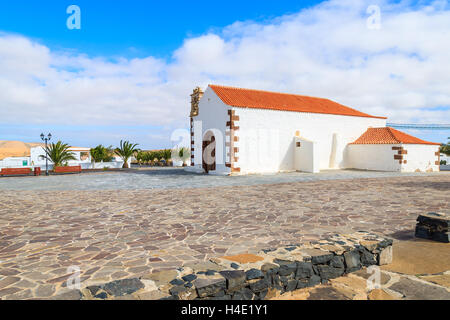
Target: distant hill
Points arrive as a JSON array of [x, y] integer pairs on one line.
[[16, 148]]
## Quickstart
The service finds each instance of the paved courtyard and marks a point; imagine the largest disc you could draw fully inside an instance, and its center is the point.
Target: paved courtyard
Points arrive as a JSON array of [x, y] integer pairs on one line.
[[116, 234]]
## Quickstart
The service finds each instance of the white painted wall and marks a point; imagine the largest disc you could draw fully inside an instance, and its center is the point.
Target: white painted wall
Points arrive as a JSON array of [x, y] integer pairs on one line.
[[379, 157], [306, 156], [37, 157], [420, 157], [15, 162], [266, 138], [213, 115]]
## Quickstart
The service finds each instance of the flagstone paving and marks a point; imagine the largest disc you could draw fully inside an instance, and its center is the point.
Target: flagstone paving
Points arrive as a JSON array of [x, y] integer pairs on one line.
[[118, 234]]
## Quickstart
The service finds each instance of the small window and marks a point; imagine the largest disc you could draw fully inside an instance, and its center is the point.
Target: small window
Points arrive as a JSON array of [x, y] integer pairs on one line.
[[299, 144]]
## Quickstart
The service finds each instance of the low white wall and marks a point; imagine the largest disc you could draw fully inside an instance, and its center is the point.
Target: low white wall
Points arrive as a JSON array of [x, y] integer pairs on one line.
[[420, 157], [306, 156], [15, 162], [378, 157], [102, 165]]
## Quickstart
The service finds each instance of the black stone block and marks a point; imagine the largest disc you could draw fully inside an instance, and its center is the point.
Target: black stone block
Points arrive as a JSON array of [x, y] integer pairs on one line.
[[367, 257], [259, 285], [254, 274], [328, 272], [235, 279], [189, 277], [291, 285], [304, 270]]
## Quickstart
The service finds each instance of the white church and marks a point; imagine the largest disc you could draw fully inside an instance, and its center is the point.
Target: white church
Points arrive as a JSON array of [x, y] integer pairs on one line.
[[238, 131]]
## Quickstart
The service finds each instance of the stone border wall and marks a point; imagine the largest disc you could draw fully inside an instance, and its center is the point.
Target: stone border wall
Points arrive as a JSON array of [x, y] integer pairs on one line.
[[256, 276]]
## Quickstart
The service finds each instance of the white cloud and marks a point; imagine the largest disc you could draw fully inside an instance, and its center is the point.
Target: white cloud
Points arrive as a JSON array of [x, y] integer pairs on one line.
[[401, 71]]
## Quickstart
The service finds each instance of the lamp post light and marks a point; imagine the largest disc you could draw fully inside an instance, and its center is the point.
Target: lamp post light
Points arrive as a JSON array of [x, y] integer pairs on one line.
[[46, 139]]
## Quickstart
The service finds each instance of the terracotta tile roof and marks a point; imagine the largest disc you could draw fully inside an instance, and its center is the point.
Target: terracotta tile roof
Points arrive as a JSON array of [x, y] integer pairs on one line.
[[248, 98], [388, 135]]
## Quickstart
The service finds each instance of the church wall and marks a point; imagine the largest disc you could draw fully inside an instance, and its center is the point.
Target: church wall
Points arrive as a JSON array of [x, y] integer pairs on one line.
[[266, 138], [213, 116]]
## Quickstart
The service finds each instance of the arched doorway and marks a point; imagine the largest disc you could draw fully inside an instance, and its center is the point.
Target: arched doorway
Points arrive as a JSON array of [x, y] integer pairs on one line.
[[209, 152]]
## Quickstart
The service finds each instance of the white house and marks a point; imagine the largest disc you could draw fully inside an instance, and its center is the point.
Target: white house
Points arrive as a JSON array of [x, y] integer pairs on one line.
[[82, 156], [243, 131]]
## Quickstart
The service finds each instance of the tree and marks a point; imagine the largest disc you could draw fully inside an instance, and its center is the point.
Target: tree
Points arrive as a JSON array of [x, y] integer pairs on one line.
[[101, 153], [184, 154], [141, 157], [59, 154], [167, 155], [126, 151], [445, 148]]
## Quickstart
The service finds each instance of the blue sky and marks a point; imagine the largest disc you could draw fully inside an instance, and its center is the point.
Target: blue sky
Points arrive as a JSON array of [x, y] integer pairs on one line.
[[128, 72], [133, 27]]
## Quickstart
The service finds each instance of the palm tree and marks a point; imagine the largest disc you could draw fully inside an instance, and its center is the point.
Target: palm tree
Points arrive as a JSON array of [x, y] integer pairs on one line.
[[141, 157], [101, 153], [126, 151], [445, 148], [167, 155], [59, 153]]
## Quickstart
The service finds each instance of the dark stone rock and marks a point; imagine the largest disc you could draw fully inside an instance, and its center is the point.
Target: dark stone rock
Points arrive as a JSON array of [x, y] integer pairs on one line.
[[189, 277], [337, 262], [441, 237], [328, 272], [321, 258], [235, 279], [176, 282], [93, 289], [237, 296], [367, 258], [352, 261], [244, 294], [254, 274], [234, 265], [291, 285], [302, 283], [224, 297], [304, 270], [210, 272], [220, 293], [262, 294], [101, 295], [276, 282], [175, 291], [314, 281], [422, 232], [284, 280], [287, 269], [209, 287], [290, 248], [123, 287], [170, 298], [247, 294], [188, 285], [267, 267], [259, 285]]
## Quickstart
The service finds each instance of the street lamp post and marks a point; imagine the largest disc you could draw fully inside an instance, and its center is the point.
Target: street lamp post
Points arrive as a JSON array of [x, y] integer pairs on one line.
[[46, 139]]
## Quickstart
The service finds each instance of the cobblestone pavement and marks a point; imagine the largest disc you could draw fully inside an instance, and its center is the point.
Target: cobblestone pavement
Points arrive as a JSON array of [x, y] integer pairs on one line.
[[119, 234]]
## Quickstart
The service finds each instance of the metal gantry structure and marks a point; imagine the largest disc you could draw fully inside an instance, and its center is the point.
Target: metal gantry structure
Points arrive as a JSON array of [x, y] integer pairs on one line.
[[419, 126]]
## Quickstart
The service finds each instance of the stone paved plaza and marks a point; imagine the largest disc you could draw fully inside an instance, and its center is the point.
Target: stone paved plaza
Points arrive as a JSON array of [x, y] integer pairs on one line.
[[117, 234]]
